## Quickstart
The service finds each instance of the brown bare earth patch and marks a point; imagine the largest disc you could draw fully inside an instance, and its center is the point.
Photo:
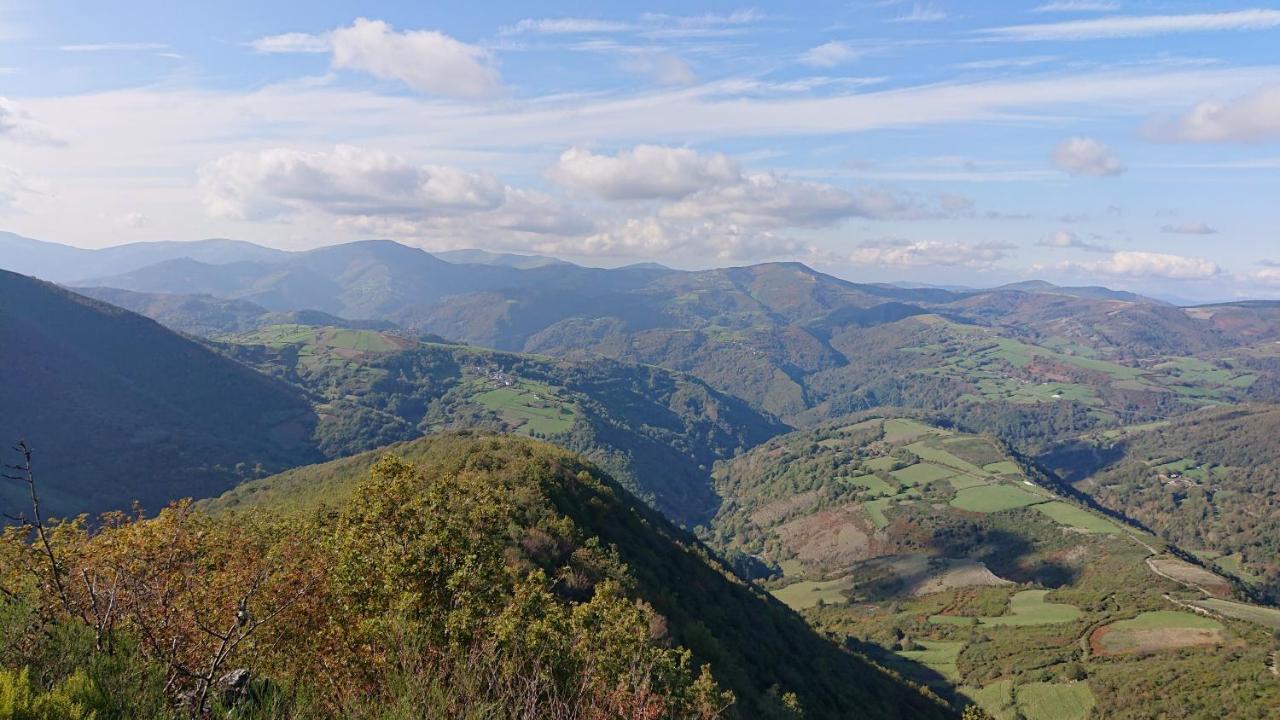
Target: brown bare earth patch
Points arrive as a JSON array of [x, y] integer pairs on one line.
[[835, 536], [779, 509], [1185, 572], [959, 574], [1112, 641]]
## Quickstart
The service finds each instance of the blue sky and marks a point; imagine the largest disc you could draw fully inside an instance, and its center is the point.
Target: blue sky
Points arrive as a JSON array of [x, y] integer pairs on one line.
[[1125, 142]]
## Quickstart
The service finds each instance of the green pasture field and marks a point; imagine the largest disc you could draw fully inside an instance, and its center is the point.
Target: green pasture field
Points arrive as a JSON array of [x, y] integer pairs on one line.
[[922, 473], [1076, 517], [1025, 608], [1055, 701], [994, 498], [870, 483], [937, 655], [1265, 616], [1004, 467], [807, 593]]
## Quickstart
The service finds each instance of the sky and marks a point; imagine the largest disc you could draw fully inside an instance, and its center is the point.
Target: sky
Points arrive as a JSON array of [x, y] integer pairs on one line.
[[1130, 143]]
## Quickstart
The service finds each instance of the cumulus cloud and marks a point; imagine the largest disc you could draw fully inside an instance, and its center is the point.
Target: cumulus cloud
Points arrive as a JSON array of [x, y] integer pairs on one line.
[[643, 172], [897, 252], [425, 60], [1268, 275], [1140, 264], [1189, 228], [829, 54], [1086, 156], [653, 236], [1066, 240], [1137, 26], [705, 188], [345, 181], [1253, 118]]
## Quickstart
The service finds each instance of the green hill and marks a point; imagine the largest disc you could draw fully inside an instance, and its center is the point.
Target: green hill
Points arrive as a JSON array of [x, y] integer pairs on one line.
[[658, 432], [936, 552], [119, 409], [755, 646]]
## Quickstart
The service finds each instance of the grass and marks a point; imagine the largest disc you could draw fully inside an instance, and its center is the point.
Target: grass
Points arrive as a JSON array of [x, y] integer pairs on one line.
[[871, 483], [937, 655], [996, 699], [1162, 619], [1025, 609], [942, 457], [1265, 616], [1076, 517], [964, 482], [902, 429], [1055, 701], [807, 594], [1004, 467], [922, 473], [994, 498], [881, 463], [875, 510], [530, 407]]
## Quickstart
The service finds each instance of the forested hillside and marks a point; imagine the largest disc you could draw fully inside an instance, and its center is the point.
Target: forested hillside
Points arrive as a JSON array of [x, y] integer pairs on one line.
[[659, 432], [1209, 482], [755, 647], [119, 409]]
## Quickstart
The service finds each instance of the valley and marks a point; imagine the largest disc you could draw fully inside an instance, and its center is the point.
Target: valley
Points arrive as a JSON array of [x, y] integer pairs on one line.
[[1049, 503]]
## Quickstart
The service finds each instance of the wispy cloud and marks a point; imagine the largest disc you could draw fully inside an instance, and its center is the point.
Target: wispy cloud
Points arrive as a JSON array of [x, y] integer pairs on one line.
[[1189, 228], [114, 47], [830, 54], [922, 13], [1137, 26], [1070, 6], [566, 26]]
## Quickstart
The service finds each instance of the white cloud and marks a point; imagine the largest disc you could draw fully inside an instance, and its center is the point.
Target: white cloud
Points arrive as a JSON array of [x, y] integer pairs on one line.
[[294, 42], [345, 181], [1189, 228], [829, 54], [114, 47], [643, 172], [1140, 264], [565, 26], [1086, 156], [1137, 26], [133, 219], [763, 199], [1268, 275], [655, 237], [1067, 240], [922, 13], [425, 60], [896, 252], [1253, 118], [19, 191], [17, 124], [661, 68], [1069, 6]]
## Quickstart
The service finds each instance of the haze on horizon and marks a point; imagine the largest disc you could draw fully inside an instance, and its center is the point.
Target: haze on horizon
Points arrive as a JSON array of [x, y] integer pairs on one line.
[[1127, 143]]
